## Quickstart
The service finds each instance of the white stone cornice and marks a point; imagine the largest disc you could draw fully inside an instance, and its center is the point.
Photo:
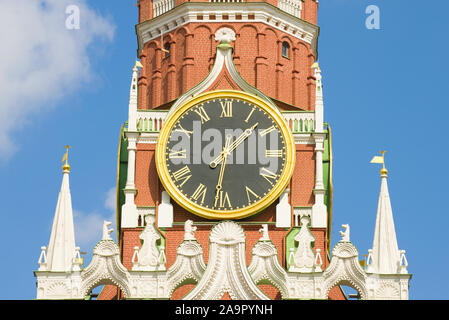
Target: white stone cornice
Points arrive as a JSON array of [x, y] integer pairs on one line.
[[303, 138], [148, 137], [260, 12]]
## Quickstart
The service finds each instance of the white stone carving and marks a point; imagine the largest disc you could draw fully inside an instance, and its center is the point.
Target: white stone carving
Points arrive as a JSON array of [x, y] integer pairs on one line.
[[105, 268], [165, 212], [189, 264], [225, 35], [264, 231], [106, 230], [189, 230], [304, 258], [265, 267], [345, 269], [149, 258], [345, 234], [43, 259], [403, 264], [226, 270]]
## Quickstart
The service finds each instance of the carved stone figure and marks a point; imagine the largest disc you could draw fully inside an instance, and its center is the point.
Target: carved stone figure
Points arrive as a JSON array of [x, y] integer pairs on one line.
[[189, 230], [107, 231], [149, 253], [225, 35], [345, 234], [264, 230], [304, 257]]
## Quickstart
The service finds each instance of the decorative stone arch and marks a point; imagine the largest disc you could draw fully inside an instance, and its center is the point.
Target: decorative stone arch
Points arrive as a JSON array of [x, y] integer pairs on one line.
[[265, 268], [226, 271], [189, 266], [345, 269], [105, 268]]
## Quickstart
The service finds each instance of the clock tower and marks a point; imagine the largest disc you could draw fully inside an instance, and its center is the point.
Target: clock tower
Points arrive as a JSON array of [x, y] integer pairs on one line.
[[261, 51], [224, 182]]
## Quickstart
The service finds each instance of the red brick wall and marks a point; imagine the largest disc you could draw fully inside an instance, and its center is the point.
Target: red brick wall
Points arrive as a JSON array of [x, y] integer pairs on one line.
[[257, 56], [109, 292]]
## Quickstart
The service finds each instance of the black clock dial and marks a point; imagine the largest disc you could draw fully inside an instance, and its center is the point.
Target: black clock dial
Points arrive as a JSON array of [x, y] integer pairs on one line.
[[225, 154]]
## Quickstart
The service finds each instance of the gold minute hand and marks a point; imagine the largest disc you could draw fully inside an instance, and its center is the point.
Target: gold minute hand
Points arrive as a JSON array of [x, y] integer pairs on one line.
[[233, 146], [220, 177]]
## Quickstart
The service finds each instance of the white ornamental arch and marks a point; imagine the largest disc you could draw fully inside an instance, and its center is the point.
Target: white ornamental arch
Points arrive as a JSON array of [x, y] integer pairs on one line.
[[345, 269], [105, 268]]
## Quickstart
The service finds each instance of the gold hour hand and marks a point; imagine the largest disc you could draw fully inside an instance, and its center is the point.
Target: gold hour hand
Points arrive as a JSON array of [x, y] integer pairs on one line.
[[227, 150]]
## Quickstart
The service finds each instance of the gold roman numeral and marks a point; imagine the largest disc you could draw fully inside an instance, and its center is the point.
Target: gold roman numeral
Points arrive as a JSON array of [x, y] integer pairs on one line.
[[183, 175], [187, 132], [181, 154], [249, 116], [223, 199], [268, 175], [202, 113], [267, 131], [200, 192], [248, 192], [226, 109], [273, 153]]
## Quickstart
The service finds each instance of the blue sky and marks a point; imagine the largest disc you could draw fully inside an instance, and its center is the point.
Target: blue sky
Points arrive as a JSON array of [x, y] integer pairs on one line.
[[384, 89]]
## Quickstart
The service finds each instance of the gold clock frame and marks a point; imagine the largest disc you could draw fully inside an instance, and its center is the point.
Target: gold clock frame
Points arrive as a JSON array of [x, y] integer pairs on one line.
[[241, 213]]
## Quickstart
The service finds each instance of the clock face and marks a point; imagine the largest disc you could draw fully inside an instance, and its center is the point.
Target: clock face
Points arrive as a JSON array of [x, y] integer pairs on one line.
[[225, 155]]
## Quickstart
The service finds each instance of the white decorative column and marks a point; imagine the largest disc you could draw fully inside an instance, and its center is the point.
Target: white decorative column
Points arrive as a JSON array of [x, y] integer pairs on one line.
[[129, 209], [165, 212], [319, 209], [284, 211]]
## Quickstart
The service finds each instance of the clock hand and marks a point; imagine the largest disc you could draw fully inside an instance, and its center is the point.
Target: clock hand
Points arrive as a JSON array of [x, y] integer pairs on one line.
[[233, 146], [223, 165]]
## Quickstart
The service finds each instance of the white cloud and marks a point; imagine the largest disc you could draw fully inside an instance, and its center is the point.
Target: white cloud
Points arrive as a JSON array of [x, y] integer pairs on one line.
[[111, 199], [41, 60], [89, 226]]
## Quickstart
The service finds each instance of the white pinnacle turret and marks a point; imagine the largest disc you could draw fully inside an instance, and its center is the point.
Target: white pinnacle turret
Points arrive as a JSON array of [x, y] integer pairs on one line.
[[61, 248], [319, 104], [132, 117], [385, 252]]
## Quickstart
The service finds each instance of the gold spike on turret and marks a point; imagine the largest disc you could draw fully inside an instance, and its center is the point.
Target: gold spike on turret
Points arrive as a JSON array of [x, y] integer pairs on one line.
[[66, 166], [381, 159]]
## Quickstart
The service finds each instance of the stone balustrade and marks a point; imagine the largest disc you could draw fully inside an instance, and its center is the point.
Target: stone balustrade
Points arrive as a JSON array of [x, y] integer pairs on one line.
[[152, 121]]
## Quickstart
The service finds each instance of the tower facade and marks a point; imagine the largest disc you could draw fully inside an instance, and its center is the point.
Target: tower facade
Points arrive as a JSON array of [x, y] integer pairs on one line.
[[273, 47], [224, 186]]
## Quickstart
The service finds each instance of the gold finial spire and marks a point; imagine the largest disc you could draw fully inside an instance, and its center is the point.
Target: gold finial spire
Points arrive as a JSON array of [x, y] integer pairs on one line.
[[138, 65], [381, 159], [316, 66], [66, 166]]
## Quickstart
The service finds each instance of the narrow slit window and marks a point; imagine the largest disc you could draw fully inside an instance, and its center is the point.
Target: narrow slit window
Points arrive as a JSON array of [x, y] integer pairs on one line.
[[167, 49], [285, 49]]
